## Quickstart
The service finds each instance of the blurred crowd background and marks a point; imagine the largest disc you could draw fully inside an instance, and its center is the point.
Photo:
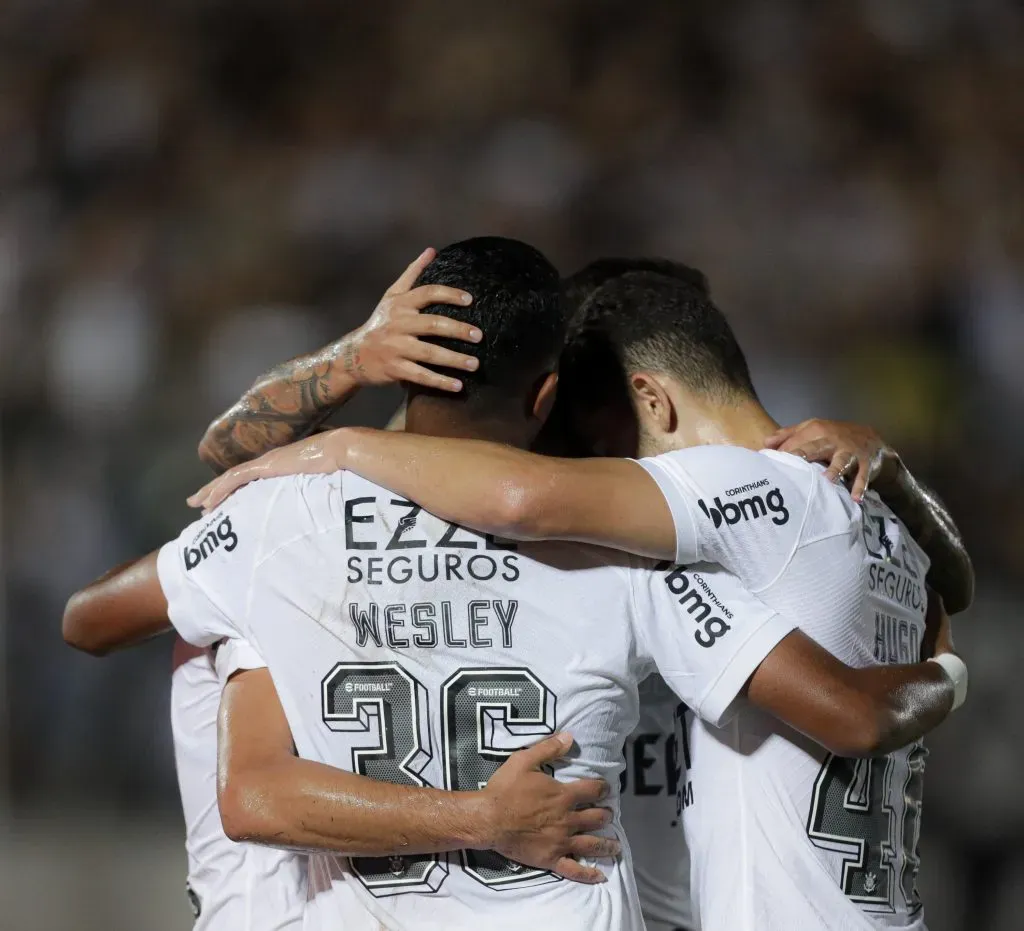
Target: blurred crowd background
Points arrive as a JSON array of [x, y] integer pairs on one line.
[[193, 190]]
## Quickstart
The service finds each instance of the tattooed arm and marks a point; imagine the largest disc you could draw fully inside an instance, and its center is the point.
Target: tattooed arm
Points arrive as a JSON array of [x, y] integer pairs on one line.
[[285, 404], [293, 399], [849, 448]]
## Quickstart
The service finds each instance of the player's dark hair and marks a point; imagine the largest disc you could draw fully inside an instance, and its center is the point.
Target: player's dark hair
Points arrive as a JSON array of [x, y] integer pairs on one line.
[[581, 284], [643, 321], [517, 304]]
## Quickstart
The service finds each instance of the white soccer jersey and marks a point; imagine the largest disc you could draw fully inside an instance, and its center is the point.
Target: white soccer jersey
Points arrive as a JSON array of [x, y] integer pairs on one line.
[[649, 785], [782, 835], [411, 650], [231, 887]]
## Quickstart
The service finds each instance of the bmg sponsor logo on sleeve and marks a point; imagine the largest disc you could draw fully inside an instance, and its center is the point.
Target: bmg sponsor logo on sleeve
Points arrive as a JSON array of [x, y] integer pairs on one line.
[[751, 507], [208, 541], [701, 603]]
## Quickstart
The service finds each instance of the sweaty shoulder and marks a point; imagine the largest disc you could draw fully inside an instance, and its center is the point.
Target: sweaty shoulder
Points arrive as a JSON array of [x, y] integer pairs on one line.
[[741, 509]]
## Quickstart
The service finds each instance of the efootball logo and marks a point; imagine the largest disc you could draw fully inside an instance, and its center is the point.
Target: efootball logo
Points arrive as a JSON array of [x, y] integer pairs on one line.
[[753, 507], [209, 541]]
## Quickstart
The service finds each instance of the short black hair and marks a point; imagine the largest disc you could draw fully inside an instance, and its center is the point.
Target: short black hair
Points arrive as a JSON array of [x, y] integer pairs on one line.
[[584, 282], [648, 321], [517, 304]]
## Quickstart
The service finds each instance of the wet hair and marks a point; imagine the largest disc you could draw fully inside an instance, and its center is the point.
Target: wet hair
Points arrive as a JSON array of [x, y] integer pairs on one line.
[[517, 304], [645, 321]]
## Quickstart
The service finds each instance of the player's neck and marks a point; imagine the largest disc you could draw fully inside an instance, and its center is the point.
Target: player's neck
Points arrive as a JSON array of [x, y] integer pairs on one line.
[[443, 421], [704, 423]]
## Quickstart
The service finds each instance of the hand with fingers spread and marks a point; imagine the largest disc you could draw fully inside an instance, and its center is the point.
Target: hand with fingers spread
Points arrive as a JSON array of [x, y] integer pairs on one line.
[[851, 450], [294, 398], [544, 823], [387, 348]]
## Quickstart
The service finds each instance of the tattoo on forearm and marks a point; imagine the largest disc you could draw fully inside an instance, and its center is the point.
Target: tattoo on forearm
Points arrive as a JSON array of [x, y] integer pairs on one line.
[[351, 361], [288, 403]]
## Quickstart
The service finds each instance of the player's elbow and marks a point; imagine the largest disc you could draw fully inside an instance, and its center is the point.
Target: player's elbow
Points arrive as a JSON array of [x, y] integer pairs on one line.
[[209, 453], [79, 627], [523, 508], [958, 590], [245, 809]]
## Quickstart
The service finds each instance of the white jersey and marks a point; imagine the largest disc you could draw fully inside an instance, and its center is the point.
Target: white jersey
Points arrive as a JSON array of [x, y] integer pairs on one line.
[[649, 785], [411, 650], [783, 835], [231, 887]]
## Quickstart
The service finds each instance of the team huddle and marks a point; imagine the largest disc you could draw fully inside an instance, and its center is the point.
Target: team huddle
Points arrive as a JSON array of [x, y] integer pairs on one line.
[[583, 641]]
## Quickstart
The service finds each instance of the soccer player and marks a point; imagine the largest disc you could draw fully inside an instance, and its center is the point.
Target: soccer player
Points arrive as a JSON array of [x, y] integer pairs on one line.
[[783, 833], [281, 407], [230, 885]]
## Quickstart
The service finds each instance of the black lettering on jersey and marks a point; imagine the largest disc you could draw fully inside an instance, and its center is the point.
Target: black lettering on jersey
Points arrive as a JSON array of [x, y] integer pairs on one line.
[[394, 620], [446, 625], [355, 570], [374, 570], [672, 769], [423, 620], [352, 518], [209, 541], [452, 561], [642, 761], [476, 621], [365, 623], [447, 541], [511, 573], [405, 523], [506, 611]]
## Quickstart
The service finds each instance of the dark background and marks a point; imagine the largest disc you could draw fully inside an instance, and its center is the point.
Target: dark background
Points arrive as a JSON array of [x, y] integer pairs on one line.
[[191, 191]]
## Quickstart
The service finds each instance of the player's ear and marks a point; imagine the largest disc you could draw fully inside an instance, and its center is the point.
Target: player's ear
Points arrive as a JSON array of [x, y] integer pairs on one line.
[[652, 402], [544, 396]]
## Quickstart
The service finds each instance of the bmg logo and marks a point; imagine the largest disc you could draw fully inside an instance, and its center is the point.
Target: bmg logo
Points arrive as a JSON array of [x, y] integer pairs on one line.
[[752, 508], [210, 542], [706, 610]]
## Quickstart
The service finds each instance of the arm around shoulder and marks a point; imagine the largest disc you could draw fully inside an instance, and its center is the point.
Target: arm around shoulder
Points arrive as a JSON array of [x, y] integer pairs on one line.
[[851, 712]]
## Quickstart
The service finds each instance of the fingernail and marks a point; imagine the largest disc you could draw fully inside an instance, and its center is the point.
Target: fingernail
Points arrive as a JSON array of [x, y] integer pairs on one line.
[[472, 364], [476, 335], [466, 298], [455, 384], [424, 254]]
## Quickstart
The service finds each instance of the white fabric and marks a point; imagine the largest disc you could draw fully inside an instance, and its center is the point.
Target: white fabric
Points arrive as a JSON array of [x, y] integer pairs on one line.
[[371, 612], [772, 820], [650, 786], [235, 887]]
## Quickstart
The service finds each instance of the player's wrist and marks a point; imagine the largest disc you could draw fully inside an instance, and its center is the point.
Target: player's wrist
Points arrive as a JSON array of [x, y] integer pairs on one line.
[[956, 671], [479, 820]]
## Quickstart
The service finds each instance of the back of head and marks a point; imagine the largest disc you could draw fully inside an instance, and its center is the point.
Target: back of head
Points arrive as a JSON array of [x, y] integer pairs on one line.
[[644, 321], [581, 284], [517, 305]]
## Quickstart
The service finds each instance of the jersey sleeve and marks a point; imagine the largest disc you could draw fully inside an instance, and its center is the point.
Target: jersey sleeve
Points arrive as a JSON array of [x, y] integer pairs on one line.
[[235, 655], [733, 507], [705, 632], [207, 571]]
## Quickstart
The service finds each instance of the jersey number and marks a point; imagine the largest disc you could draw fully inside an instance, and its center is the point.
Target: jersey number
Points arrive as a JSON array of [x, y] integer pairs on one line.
[[487, 715], [869, 811]]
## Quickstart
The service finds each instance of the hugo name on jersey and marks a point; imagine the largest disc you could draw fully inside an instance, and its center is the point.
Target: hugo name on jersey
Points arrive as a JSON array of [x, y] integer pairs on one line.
[[411, 650], [783, 834]]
